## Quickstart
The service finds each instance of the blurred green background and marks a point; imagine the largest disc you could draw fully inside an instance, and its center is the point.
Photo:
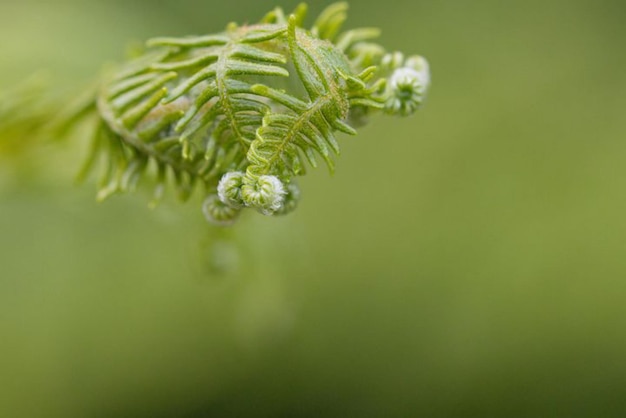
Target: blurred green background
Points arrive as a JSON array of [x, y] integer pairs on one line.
[[467, 262]]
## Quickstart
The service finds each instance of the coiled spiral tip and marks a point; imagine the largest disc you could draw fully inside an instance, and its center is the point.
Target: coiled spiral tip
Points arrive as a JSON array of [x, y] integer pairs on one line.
[[291, 200], [407, 86], [229, 189], [217, 212], [266, 193]]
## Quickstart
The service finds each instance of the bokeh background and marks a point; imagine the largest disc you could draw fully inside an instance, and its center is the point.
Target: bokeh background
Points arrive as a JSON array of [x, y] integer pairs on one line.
[[467, 262]]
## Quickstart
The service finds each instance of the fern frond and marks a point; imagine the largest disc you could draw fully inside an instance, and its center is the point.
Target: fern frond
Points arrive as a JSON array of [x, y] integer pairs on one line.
[[250, 106], [25, 109]]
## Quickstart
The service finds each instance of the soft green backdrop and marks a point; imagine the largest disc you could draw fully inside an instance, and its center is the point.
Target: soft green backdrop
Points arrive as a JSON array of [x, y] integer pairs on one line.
[[467, 262]]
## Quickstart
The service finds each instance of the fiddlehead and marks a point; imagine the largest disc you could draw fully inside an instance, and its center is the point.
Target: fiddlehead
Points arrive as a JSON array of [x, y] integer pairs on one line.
[[242, 112]]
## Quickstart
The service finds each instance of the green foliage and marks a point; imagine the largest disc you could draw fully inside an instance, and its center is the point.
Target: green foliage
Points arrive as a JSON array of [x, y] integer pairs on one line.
[[256, 103], [24, 111]]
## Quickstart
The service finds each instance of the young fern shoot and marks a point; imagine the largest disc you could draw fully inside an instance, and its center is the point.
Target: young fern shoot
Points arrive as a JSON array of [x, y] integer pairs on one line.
[[243, 112]]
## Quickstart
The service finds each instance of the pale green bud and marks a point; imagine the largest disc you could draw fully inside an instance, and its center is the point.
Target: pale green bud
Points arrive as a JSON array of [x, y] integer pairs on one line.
[[229, 189], [219, 213], [407, 87], [291, 200], [266, 194]]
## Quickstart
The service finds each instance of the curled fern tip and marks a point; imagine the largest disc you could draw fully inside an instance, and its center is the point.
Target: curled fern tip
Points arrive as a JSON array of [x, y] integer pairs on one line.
[[245, 111]]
